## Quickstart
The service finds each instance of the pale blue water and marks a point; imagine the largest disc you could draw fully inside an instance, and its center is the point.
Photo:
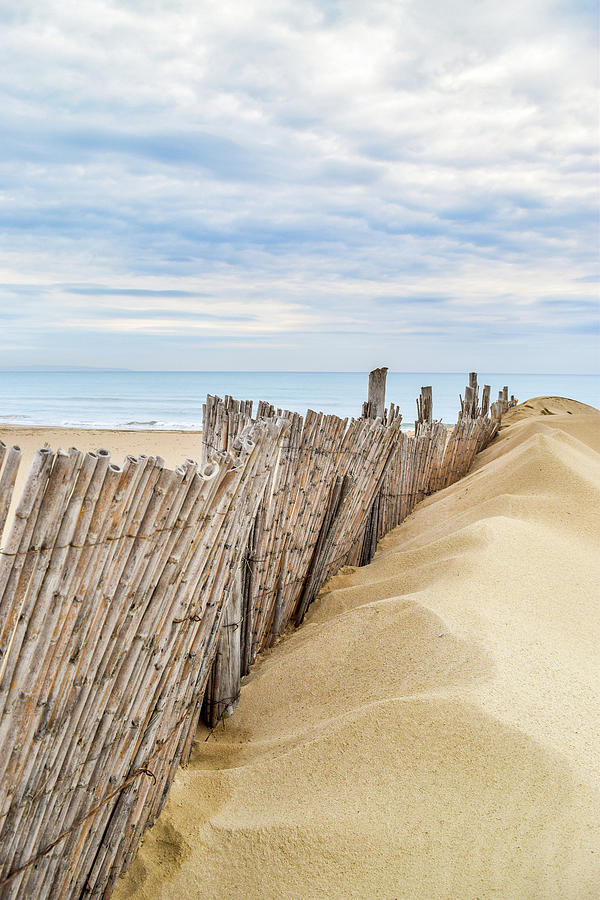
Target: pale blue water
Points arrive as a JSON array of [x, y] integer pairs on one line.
[[122, 399]]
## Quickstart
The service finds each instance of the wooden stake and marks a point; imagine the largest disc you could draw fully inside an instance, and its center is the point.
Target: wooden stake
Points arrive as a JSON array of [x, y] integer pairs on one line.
[[376, 398]]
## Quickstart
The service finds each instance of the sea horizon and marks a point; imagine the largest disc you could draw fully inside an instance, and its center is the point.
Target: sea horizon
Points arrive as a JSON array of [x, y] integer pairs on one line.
[[48, 368], [78, 397]]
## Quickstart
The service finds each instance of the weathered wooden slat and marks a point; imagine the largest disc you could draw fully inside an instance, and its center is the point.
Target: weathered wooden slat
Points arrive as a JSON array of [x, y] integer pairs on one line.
[[11, 460]]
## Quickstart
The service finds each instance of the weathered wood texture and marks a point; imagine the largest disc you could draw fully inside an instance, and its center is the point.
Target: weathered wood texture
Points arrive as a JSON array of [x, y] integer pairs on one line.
[[338, 488], [302, 520], [375, 405], [114, 581], [9, 466], [132, 597]]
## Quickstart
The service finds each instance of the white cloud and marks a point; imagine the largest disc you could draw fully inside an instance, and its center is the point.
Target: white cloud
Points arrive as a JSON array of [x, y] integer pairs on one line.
[[299, 161]]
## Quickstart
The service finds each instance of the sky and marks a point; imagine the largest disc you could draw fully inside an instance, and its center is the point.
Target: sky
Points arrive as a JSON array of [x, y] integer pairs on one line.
[[285, 185]]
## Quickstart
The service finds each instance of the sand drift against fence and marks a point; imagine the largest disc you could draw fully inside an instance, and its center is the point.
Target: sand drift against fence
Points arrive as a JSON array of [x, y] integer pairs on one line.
[[134, 597]]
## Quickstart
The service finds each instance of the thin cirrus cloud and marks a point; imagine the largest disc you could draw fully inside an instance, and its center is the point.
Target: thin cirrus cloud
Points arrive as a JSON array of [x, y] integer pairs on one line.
[[299, 186]]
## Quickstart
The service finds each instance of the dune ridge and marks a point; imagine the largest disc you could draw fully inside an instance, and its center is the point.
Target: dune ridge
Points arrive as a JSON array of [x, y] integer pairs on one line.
[[432, 729]]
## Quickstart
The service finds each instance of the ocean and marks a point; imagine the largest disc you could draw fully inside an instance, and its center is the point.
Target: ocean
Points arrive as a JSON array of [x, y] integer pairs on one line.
[[173, 400]]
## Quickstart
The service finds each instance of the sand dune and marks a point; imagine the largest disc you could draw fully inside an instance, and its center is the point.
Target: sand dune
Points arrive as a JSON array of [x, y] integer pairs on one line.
[[432, 729]]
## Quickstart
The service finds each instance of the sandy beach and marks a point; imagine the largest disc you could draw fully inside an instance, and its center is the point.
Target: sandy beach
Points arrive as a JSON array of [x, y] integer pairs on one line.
[[173, 446], [432, 729]]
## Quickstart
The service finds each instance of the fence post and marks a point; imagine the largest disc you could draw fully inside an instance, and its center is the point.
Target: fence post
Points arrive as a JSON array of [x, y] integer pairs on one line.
[[224, 685], [424, 407], [485, 400], [374, 408], [376, 397]]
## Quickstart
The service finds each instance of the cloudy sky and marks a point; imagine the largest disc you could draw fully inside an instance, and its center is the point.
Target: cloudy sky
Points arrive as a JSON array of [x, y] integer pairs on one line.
[[276, 184]]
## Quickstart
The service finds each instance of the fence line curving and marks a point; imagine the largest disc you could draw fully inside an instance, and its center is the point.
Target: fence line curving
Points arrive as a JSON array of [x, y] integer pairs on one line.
[[135, 597]]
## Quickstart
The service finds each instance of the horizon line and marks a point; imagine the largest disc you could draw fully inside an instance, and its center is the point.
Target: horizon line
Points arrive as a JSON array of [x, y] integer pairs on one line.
[[97, 369]]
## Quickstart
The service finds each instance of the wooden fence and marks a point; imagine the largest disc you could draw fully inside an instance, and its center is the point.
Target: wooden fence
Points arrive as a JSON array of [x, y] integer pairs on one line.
[[338, 489], [132, 597]]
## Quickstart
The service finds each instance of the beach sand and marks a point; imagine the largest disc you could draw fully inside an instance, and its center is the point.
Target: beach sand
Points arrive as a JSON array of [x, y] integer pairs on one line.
[[173, 446], [432, 729]]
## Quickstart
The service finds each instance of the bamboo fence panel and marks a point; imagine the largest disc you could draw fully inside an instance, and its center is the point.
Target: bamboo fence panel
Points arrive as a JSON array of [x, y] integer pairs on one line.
[[114, 581], [365, 474], [281, 571], [286, 529], [180, 687]]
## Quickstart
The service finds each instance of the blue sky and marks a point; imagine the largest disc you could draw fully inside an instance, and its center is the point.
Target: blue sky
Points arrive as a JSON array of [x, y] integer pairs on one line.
[[268, 184]]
